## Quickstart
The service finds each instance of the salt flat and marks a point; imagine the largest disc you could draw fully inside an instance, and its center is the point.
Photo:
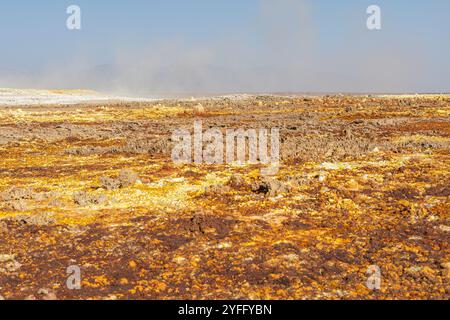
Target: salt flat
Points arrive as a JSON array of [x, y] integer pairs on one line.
[[24, 97]]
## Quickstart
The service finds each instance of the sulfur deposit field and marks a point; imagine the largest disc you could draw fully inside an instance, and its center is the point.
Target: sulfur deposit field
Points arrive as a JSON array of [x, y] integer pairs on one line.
[[363, 181]]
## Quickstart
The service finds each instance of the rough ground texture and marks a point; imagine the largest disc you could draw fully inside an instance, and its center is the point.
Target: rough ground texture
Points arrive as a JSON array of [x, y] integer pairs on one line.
[[363, 181]]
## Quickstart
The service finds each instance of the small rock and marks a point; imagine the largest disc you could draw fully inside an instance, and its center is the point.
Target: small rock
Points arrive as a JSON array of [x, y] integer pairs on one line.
[[17, 205], [39, 219], [179, 260], [6, 257], [109, 183], [125, 179], [224, 245], [8, 263], [324, 190], [2, 298], [15, 193], [291, 257], [445, 265], [83, 198], [413, 270], [270, 187], [417, 271], [236, 181], [340, 293], [46, 294]]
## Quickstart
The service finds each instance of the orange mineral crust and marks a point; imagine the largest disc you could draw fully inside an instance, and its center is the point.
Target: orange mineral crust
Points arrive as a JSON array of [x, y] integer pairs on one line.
[[363, 181]]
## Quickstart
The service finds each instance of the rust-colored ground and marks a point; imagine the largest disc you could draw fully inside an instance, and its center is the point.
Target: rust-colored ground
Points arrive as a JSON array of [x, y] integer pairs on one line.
[[364, 181]]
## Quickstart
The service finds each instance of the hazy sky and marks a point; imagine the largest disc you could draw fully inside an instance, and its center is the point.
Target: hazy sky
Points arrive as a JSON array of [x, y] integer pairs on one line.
[[150, 47]]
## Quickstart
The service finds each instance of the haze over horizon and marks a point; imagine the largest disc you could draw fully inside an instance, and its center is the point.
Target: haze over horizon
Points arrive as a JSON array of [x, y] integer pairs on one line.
[[145, 48]]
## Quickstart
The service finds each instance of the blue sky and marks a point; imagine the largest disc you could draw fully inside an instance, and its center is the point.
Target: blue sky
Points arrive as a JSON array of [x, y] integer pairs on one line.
[[155, 46]]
